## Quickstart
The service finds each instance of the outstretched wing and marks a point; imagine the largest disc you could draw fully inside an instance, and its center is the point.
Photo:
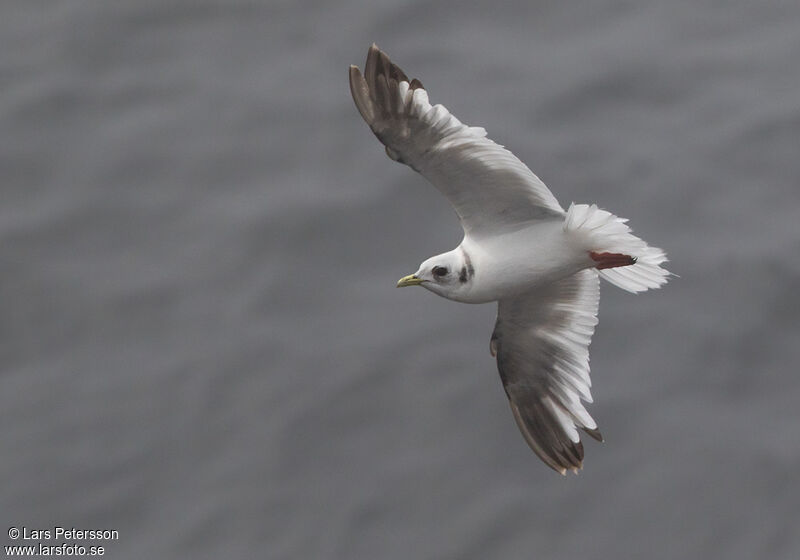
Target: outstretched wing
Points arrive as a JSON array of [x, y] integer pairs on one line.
[[541, 341], [489, 187]]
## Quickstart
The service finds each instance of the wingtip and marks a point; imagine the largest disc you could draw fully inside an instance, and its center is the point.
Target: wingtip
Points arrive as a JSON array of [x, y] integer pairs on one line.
[[574, 469], [373, 53], [594, 434], [354, 74], [360, 93]]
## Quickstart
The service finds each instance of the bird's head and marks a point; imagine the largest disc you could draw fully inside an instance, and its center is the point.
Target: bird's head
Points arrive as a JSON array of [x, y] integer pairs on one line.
[[447, 275]]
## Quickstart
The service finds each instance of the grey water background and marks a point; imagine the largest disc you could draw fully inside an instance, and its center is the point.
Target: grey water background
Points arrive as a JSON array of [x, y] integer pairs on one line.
[[201, 344]]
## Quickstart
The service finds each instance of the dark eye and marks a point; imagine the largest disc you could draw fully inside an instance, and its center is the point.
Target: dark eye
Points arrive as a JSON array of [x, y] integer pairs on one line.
[[439, 271]]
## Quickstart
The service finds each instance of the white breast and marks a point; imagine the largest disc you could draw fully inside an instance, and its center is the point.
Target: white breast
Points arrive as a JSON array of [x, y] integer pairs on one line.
[[513, 263]]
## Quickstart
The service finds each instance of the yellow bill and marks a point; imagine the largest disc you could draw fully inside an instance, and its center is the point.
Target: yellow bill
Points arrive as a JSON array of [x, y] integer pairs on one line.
[[410, 280]]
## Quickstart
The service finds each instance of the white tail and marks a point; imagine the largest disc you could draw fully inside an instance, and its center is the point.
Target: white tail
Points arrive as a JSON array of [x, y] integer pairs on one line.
[[604, 232]]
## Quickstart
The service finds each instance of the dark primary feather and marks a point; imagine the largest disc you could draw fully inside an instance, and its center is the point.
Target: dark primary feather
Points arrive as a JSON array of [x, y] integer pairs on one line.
[[488, 186], [541, 342]]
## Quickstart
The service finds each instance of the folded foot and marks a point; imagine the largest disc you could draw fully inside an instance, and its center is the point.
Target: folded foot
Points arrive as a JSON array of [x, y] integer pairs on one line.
[[611, 260]]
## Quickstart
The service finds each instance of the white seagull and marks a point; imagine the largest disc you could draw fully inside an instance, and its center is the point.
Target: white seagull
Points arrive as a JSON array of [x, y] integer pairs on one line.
[[520, 248]]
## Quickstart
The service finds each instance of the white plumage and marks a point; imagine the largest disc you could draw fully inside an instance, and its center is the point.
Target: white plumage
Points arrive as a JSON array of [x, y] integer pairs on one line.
[[520, 248]]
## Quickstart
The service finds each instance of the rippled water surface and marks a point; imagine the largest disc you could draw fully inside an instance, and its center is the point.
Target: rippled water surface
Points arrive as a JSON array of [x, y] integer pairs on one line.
[[201, 345]]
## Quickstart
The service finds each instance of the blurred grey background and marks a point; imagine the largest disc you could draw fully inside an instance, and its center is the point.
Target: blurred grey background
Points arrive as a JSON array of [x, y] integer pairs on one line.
[[201, 343]]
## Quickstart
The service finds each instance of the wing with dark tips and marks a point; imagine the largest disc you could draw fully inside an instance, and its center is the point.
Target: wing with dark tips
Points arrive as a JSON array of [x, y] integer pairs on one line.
[[489, 187], [541, 341]]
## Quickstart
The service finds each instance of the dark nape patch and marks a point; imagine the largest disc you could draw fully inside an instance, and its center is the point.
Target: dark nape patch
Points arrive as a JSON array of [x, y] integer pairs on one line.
[[467, 271], [468, 262]]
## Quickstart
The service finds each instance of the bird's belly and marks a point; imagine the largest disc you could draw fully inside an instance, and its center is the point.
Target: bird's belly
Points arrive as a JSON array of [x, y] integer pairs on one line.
[[518, 262]]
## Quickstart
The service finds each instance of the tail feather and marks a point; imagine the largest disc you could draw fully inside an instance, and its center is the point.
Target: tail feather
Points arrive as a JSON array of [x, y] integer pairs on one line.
[[602, 231]]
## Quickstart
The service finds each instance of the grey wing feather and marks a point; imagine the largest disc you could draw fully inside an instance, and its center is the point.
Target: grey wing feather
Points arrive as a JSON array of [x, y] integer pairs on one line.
[[489, 187], [541, 341]]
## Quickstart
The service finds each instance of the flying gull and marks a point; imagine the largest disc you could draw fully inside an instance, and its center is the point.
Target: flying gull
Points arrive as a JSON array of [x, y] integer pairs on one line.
[[541, 264]]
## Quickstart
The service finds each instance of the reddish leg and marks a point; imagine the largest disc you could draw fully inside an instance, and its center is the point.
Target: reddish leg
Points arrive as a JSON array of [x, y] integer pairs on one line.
[[611, 260]]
